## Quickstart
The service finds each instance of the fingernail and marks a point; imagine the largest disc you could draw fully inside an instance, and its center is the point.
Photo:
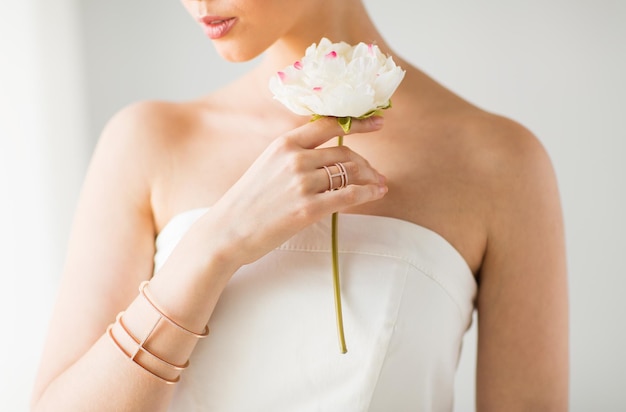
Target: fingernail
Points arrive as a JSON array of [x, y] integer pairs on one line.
[[378, 120], [383, 189], [382, 179]]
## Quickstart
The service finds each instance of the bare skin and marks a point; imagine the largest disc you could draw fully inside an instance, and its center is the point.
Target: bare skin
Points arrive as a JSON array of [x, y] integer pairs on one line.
[[480, 180]]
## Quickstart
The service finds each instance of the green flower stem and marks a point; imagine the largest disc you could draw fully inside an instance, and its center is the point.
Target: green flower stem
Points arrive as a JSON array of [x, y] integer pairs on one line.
[[346, 124], [336, 284]]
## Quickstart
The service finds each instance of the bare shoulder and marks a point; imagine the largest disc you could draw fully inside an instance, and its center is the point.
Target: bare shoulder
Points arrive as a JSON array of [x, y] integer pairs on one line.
[[141, 137], [505, 159], [514, 173], [503, 150], [489, 149], [478, 170], [150, 124]]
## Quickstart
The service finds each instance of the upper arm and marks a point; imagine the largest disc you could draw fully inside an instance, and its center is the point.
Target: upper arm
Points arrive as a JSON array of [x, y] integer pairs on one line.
[[111, 244], [522, 302]]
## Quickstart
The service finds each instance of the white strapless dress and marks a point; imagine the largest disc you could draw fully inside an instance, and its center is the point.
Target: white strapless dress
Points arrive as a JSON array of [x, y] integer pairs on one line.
[[407, 298]]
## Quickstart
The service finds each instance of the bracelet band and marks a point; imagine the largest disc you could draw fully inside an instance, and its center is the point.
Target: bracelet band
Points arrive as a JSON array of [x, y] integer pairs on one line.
[[127, 355], [141, 348], [144, 293]]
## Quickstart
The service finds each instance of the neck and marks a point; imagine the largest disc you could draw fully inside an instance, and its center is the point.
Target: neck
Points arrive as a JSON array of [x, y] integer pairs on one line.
[[346, 21]]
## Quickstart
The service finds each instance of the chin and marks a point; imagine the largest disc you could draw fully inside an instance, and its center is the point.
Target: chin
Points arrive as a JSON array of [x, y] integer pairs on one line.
[[234, 54]]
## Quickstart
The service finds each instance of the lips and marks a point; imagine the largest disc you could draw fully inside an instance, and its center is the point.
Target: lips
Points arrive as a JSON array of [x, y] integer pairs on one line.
[[217, 27]]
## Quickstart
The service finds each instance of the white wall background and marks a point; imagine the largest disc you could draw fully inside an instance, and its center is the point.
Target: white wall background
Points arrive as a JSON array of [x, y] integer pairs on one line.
[[42, 160], [558, 67]]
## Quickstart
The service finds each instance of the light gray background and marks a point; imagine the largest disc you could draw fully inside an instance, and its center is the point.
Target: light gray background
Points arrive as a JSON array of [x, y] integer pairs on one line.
[[558, 67]]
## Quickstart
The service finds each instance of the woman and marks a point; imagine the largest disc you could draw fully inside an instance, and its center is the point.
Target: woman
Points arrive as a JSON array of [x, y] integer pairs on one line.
[[447, 208]]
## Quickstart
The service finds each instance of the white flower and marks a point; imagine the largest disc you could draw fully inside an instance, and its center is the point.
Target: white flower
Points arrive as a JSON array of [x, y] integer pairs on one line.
[[336, 79]]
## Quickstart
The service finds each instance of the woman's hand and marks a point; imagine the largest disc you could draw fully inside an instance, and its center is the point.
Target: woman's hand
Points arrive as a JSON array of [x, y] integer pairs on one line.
[[283, 191], [286, 189]]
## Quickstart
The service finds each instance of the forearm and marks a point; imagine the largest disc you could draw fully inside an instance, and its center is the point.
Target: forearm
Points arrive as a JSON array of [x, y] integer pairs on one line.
[[106, 378]]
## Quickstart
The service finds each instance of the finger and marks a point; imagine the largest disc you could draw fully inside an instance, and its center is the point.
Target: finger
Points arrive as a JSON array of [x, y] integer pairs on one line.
[[353, 195], [317, 158], [318, 132], [341, 175]]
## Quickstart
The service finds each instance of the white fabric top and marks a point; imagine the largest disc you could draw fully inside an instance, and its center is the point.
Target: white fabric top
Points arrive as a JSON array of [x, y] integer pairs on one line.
[[407, 298]]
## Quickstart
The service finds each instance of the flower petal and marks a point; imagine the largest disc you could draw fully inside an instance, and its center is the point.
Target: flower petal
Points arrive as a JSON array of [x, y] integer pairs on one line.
[[336, 79]]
